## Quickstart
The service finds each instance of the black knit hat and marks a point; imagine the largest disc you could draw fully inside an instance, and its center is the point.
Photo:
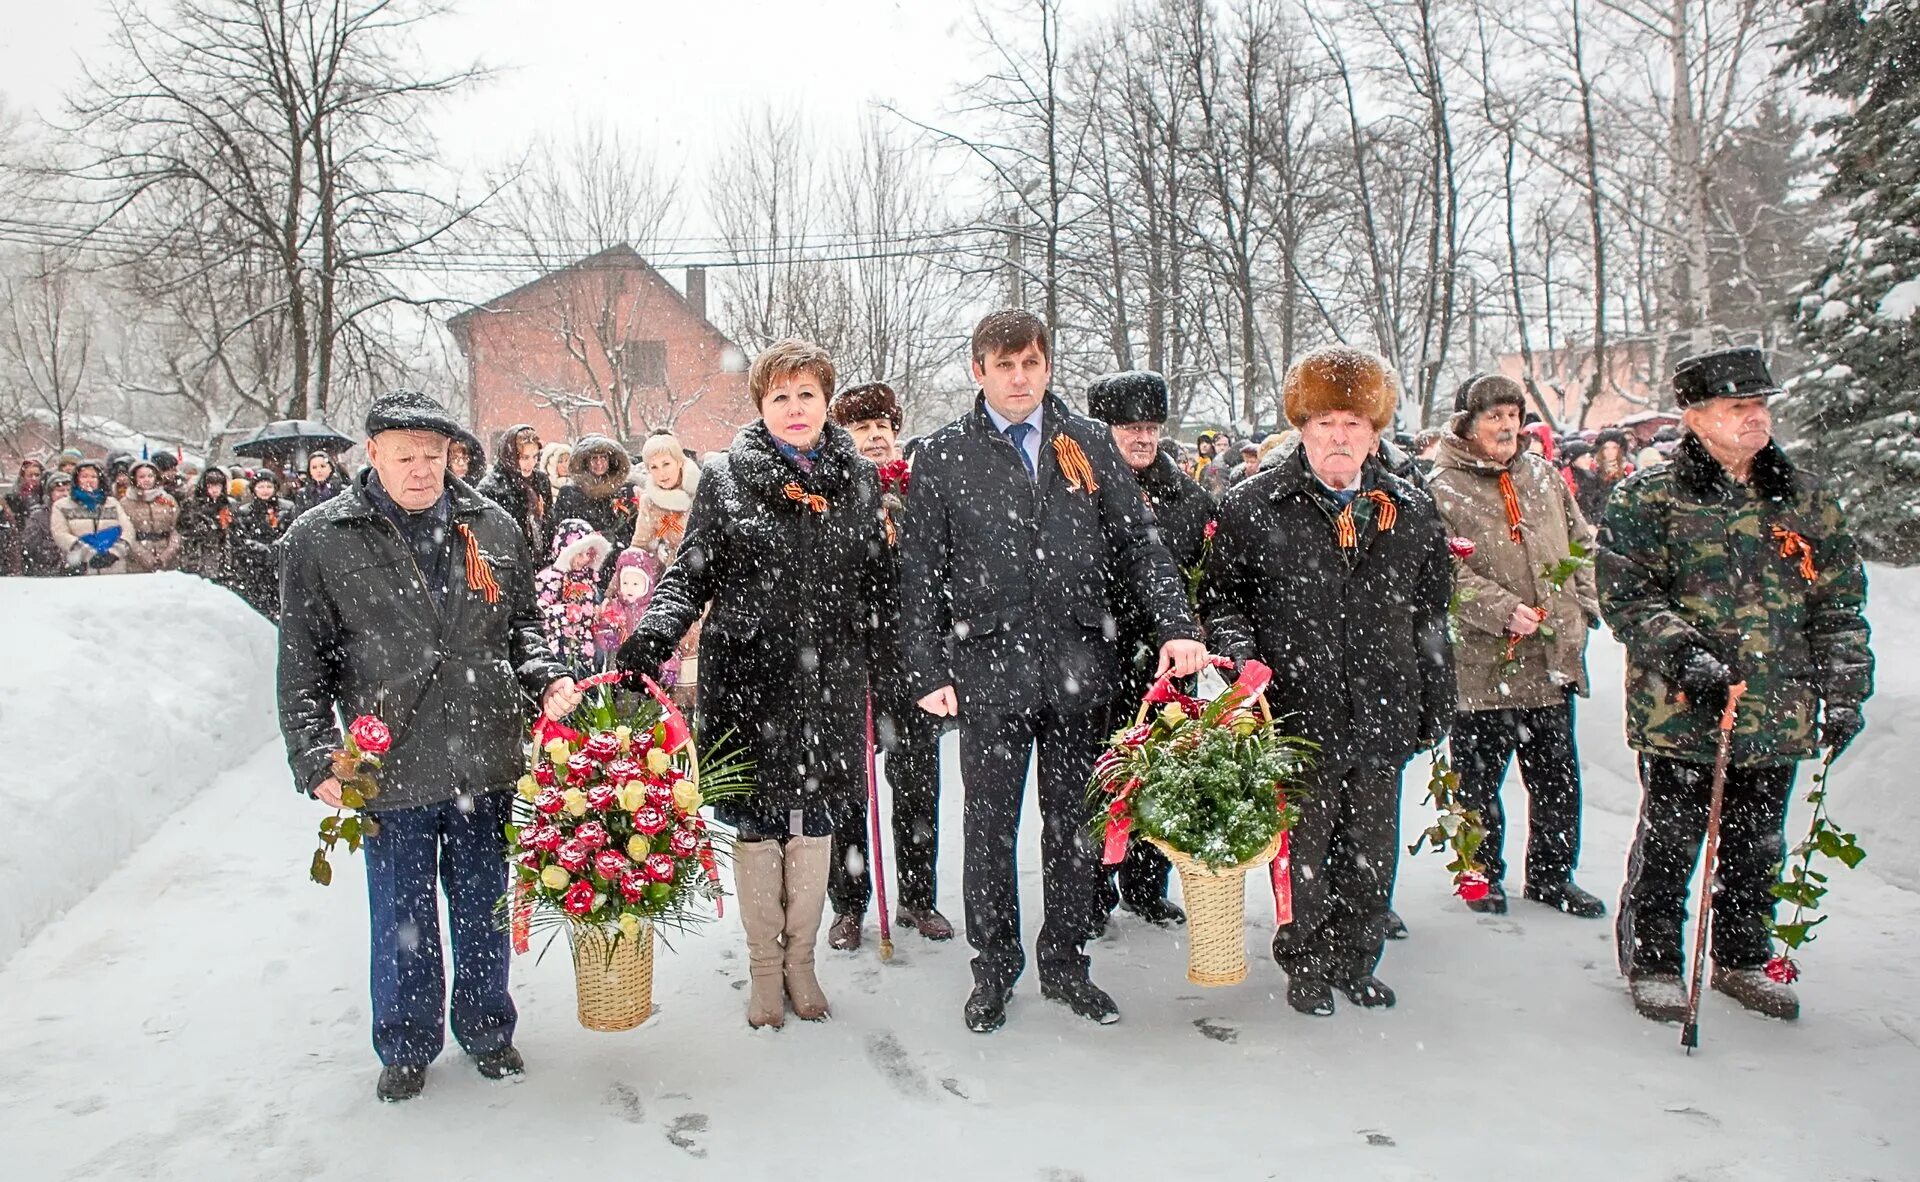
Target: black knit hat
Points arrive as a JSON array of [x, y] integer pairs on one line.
[[869, 400], [1133, 396], [1723, 373], [1484, 391], [410, 410], [164, 462]]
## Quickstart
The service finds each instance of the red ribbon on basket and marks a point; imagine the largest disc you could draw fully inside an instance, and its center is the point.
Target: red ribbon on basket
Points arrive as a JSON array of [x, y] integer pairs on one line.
[[1281, 872], [677, 731], [546, 730], [522, 916], [1119, 826]]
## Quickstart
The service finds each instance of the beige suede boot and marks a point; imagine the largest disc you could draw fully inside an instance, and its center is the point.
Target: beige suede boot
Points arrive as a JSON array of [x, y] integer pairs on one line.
[[758, 870], [807, 861]]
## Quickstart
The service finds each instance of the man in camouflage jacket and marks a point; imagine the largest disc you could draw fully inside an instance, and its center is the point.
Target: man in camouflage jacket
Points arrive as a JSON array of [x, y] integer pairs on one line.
[[1726, 565]]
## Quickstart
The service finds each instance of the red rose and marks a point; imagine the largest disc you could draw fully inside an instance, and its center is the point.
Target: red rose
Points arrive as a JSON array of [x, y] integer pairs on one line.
[[683, 843], [1471, 886], [579, 898], [1781, 970], [549, 801], [370, 734], [540, 837], [579, 770], [633, 886], [602, 798], [659, 867], [1137, 735], [593, 835], [1213, 527], [622, 770], [649, 819], [543, 775], [530, 858], [572, 854], [610, 865], [602, 747], [894, 475], [659, 795], [1461, 548]]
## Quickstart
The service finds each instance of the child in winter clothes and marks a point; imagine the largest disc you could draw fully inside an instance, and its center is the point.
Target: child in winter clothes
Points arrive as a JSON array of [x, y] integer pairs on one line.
[[569, 592], [635, 574]]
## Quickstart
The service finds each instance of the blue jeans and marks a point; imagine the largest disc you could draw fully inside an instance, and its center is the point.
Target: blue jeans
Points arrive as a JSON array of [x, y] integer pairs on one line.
[[466, 848]]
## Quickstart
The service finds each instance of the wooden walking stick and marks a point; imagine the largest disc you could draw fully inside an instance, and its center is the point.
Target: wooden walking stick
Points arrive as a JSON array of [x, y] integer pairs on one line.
[[876, 864], [1723, 740]]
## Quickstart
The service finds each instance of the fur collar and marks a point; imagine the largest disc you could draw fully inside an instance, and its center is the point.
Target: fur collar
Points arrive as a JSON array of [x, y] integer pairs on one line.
[[760, 468], [1701, 477], [1164, 481]]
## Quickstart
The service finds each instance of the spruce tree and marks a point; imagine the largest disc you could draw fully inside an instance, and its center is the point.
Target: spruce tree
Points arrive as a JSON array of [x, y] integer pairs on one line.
[[1858, 320]]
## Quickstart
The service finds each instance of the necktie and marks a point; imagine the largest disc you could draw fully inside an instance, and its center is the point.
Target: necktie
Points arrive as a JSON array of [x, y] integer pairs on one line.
[[1018, 433]]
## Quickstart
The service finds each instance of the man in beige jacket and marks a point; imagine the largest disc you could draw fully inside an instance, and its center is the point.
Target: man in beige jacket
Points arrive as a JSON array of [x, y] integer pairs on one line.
[[1524, 600]]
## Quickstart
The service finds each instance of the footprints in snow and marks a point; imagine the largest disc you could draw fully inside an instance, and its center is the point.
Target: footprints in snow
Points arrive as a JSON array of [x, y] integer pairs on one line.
[[624, 1104], [897, 1066], [1217, 1031]]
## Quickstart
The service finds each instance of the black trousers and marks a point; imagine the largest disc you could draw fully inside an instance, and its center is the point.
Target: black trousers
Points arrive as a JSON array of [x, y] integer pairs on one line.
[[1484, 742], [1675, 798], [993, 763], [909, 741], [1345, 853]]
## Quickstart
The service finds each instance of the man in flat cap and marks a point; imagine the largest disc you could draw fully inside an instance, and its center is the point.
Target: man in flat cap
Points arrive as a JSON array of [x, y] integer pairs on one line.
[[1726, 565], [410, 597], [1133, 404]]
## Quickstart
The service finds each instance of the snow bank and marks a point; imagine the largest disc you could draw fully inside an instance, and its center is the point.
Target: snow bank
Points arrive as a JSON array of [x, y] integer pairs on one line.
[[1873, 791], [121, 697]]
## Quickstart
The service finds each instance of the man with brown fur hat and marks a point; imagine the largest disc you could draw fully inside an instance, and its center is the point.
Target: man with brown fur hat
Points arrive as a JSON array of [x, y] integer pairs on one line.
[[1334, 572]]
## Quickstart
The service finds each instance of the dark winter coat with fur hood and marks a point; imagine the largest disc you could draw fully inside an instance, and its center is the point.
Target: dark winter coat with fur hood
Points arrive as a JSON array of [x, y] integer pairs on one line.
[[527, 499], [792, 564], [607, 503]]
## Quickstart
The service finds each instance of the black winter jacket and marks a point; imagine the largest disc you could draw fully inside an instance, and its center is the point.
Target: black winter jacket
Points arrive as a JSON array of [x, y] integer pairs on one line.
[[1005, 579], [359, 634], [794, 591], [608, 503], [1181, 511], [257, 525], [1357, 639]]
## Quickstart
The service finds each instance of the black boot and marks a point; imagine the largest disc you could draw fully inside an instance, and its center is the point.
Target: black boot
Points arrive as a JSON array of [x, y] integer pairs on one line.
[[1494, 902], [1756, 991], [400, 1081], [1369, 991], [1310, 995], [1084, 998], [501, 1063], [987, 1008], [1160, 912], [1565, 895], [1396, 927]]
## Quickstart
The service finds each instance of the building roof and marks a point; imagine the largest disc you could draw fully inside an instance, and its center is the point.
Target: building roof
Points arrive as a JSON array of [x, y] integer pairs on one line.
[[617, 257]]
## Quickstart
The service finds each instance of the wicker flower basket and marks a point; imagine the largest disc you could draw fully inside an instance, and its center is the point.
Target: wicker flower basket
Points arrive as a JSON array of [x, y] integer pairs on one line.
[[613, 978], [1216, 914]]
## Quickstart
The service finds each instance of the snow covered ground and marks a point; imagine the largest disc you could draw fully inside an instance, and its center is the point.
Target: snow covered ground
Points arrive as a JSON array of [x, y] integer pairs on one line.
[[203, 1014]]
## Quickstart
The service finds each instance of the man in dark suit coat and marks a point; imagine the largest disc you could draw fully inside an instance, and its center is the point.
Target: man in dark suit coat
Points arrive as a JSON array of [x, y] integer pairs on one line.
[[1019, 510]]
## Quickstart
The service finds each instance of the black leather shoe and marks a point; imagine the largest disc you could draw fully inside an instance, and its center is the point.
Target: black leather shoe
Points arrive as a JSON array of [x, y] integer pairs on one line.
[[1565, 896], [1369, 991], [987, 1008], [501, 1063], [1084, 998], [1160, 912], [1396, 927], [1310, 996], [400, 1081]]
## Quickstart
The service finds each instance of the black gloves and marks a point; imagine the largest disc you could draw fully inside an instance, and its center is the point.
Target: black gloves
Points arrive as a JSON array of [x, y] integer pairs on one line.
[[1705, 680], [1433, 731], [103, 561], [1839, 727]]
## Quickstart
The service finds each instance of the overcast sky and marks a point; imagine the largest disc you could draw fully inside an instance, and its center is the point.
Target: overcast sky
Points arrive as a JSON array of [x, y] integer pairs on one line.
[[677, 72]]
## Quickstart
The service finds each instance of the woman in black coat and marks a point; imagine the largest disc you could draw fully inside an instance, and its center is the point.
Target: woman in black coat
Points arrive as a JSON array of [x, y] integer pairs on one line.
[[786, 544], [256, 527], [321, 484], [516, 484]]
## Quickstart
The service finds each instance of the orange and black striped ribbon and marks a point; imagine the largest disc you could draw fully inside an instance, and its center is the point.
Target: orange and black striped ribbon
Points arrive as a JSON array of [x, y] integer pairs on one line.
[[1074, 465], [1511, 498], [1792, 544], [813, 501], [1385, 514], [479, 574]]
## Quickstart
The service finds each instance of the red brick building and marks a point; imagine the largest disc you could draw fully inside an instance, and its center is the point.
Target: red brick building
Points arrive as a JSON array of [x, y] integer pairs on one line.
[[604, 345]]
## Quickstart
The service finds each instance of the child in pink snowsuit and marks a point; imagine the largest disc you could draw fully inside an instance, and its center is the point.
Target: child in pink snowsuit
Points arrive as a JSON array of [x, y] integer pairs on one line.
[[569, 593], [635, 574]]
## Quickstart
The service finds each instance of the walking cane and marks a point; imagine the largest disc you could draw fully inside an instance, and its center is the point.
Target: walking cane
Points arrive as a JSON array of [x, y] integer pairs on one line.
[[876, 863], [1723, 739]]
